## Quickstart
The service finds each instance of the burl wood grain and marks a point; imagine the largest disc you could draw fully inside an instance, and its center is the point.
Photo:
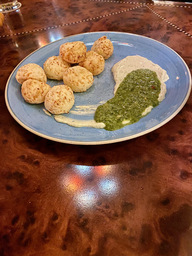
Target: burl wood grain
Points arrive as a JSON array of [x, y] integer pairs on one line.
[[129, 199]]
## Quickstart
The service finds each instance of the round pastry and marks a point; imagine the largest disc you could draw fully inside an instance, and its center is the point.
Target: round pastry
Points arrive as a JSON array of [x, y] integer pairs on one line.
[[103, 46], [60, 99], [93, 62], [54, 67], [34, 91], [78, 78], [30, 71], [73, 52]]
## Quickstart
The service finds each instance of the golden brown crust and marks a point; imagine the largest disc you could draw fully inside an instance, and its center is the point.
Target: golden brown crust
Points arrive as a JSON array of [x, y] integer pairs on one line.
[[59, 99], [103, 46], [93, 62], [30, 71], [54, 67], [34, 91], [78, 78], [73, 52]]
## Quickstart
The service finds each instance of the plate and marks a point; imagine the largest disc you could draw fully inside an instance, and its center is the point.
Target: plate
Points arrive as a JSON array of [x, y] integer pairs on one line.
[[34, 119]]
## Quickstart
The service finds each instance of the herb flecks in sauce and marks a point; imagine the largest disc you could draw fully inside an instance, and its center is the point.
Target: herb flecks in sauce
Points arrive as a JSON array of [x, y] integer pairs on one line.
[[138, 91]]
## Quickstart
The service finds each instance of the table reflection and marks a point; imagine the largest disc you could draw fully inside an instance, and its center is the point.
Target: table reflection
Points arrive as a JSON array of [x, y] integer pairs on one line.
[[51, 37], [89, 184]]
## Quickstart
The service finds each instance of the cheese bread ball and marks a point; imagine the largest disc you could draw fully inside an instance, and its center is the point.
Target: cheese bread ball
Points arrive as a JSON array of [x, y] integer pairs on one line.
[[93, 62], [60, 99], [73, 52], [54, 67], [78, 78], [34, 91], [103, 46], [30, 71]]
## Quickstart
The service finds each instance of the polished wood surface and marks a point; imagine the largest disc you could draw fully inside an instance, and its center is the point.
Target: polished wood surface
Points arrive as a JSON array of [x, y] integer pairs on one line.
[[132, 198]]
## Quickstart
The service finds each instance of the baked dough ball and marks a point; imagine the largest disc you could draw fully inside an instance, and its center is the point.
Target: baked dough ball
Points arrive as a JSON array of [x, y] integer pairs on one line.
[[59, 99], [30, 71], [78, 78], [93, 62], [103, 46], [73, 52], [34, 91], [54, 67]]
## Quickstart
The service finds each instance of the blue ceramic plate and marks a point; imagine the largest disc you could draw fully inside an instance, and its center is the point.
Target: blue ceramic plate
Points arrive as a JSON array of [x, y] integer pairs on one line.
[[33, 118]]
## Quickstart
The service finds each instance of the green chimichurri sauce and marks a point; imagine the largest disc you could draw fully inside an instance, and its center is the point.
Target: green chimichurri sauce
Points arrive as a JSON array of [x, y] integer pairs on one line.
[[139, 90]]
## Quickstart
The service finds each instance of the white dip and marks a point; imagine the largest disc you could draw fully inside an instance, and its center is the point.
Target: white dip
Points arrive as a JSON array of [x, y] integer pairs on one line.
[[78, 123]]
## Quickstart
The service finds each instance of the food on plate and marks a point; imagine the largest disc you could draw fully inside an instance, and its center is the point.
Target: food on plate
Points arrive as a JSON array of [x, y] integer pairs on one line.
[[30, 71], [78, 123], [130, 63], [140, 88], [60, 99], [34, 91], [139, 84], [73, 52], [103, 46], [78, 78], [54, 67], [93, 62]]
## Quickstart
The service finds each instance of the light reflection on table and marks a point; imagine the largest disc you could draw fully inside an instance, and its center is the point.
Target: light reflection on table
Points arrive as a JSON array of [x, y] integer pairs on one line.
[[89, 184]]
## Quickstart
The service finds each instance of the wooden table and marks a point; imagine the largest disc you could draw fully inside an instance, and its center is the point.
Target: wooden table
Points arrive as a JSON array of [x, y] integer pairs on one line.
[[46, 207]]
